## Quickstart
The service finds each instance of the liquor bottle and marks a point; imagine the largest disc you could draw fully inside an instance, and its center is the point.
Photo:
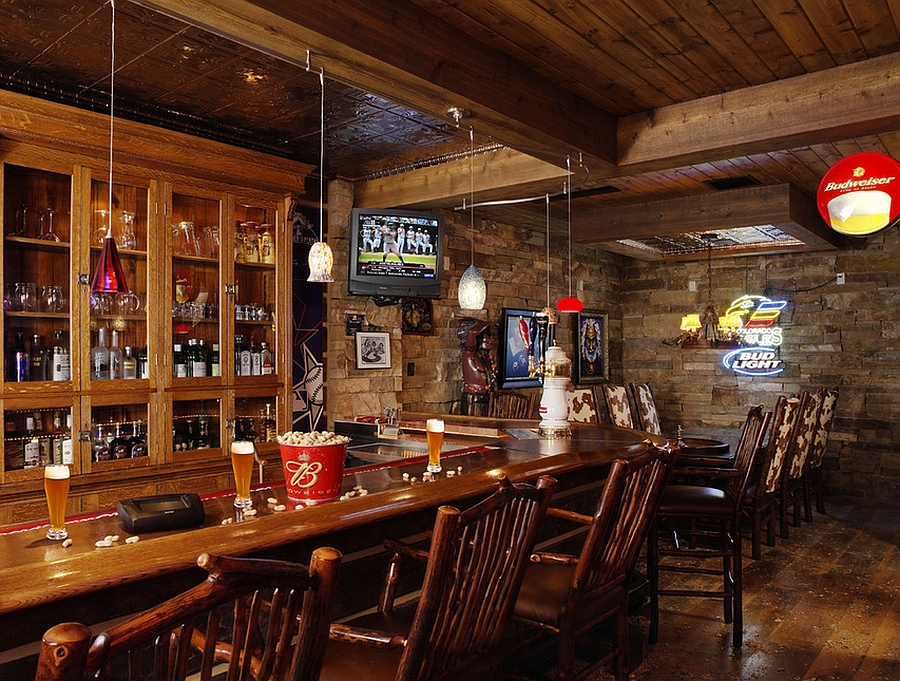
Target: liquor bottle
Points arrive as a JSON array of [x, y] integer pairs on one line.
[[255, 359], [62, 361], [203, 439], [246, 361], [115, 357], [43, 437], [238, 351], [266, 246], [177, 441], [199, 360], [36, 368], [118, 446], [143, 366], [190, 439], [21, 366], [56, 435], [137, 443], [180, 362], [100, 357], [32, 445], [99, 446], [267, 360], [215, 368], [129, 364], [268, 428], [188, 352], [67, 443]]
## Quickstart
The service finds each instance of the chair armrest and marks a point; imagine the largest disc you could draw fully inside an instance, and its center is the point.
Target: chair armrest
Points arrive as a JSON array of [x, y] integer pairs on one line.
[[405, 550], [570, 515], [554, 559], [369, 637]]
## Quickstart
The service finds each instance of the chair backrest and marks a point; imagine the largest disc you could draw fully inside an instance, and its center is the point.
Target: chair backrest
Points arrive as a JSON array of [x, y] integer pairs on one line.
[[476, 564], [621, 521], [746, 452], [786, 413], [581, 406], [264, 619], [508, 404], [645, 408], [618, 405], [804, 434], [823, 430]]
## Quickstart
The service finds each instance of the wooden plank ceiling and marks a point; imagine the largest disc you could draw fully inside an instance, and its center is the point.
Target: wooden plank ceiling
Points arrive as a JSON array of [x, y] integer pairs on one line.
[[671, 111]]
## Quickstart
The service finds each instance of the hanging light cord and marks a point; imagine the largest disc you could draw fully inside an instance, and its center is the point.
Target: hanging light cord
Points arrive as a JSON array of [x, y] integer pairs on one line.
[[472, 193], [569, 215], [547, 204], [322, 156], [112, 73]]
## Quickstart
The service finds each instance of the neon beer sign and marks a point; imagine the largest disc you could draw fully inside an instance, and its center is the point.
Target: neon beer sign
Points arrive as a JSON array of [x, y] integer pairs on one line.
[[760, 335]]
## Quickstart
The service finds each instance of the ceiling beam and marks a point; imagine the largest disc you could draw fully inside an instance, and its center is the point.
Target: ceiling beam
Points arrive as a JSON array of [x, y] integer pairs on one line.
[[393, 49], [500, 174], [780, 205], [846, 101]]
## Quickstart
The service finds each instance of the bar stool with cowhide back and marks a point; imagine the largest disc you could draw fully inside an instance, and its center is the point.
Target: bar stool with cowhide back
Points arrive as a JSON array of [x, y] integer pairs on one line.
[[264, 620], [618, 405], [700, 525], [473, 571], [645, 406]]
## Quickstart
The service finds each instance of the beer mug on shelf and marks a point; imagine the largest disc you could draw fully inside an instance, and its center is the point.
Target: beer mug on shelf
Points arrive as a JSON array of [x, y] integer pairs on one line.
[[129, 303], [211, 239]]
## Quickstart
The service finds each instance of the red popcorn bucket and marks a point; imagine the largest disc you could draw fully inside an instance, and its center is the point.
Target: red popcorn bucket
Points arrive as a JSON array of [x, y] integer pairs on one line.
[[313, 472]]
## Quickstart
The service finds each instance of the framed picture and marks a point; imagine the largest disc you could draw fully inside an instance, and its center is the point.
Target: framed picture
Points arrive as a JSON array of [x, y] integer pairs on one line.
[[373, 350], [592, 347], [416, 317], [520, 347]]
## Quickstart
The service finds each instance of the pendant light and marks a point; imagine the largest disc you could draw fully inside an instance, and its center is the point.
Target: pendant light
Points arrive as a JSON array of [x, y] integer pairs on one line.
[[472, 290], [569, 304], [321, 259], [109, 277]]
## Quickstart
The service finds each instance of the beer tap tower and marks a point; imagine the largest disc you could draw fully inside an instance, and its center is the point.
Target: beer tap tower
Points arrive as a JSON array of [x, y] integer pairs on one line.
[[554, 368]]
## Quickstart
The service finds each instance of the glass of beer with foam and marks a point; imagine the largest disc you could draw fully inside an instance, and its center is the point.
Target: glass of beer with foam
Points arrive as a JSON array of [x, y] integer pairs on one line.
[[242, 464], [434, 435], [56, 489]]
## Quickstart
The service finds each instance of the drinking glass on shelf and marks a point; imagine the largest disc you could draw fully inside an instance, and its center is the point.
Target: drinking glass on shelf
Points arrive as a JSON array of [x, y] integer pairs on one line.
[[211, 236], [127, 239], [56, 489], [102, 229], [242, 465], [434, 436], [10, 298], [21, 221], [51, 298], [49, 235], [26, 296]]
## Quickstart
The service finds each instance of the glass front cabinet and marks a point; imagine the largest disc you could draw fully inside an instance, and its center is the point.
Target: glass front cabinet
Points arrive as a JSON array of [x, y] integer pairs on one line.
[[137, 392]]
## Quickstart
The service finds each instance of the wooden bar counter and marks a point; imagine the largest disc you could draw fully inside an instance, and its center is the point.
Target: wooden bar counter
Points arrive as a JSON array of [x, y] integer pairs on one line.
[[42, 583]]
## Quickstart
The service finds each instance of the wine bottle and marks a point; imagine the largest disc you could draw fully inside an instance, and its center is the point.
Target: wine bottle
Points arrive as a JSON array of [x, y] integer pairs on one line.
[[137, 443]]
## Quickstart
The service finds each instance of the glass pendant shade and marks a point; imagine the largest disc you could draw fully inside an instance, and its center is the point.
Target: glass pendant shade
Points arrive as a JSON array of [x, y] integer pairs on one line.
[[570, 305], [321, 262], [109, 277], [472, 290]]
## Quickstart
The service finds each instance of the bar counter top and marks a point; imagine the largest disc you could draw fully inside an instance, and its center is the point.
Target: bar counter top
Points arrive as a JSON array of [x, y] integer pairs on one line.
[[35, 571]]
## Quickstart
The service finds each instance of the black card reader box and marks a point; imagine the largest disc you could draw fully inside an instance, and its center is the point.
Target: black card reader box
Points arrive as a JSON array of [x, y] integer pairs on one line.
[[161, 512]]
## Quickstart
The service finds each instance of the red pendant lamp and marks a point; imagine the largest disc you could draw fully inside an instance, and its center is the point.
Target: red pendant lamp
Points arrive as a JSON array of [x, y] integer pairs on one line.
[[109, 277], [569, 304]]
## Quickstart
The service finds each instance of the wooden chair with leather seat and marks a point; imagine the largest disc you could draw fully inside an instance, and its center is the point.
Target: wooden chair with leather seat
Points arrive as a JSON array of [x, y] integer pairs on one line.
[[761, 503], [259, 619], [645, 408], [618, 405], [570, 595], [474, 569], [508, 404], [705, 523], [795, 462], [581, 406], [812, 477]]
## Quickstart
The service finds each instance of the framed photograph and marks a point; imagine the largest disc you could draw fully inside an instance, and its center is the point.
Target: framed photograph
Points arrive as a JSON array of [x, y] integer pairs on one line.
[[373, 350], [520, 348], [591, 347]]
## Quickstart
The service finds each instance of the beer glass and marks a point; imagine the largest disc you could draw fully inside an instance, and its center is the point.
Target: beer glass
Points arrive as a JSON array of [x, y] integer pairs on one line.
[[242, 464], [434, 434], [56, 489]]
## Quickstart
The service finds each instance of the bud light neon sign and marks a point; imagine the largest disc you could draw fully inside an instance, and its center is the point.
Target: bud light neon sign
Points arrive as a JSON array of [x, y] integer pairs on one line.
[[759, 333]]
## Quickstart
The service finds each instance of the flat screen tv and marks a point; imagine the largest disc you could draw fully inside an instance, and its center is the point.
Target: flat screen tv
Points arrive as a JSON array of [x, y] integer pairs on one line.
[[395, 253]]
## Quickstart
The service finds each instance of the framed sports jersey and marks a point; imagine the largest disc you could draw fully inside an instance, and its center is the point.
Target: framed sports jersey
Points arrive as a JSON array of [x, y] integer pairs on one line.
[[525, 336]]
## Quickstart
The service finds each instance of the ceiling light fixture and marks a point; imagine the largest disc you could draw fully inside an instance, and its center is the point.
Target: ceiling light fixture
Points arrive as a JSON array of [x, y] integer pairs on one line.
[[321, 259], [570, 304], [109, 277], [472, 289], [708, 330]]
